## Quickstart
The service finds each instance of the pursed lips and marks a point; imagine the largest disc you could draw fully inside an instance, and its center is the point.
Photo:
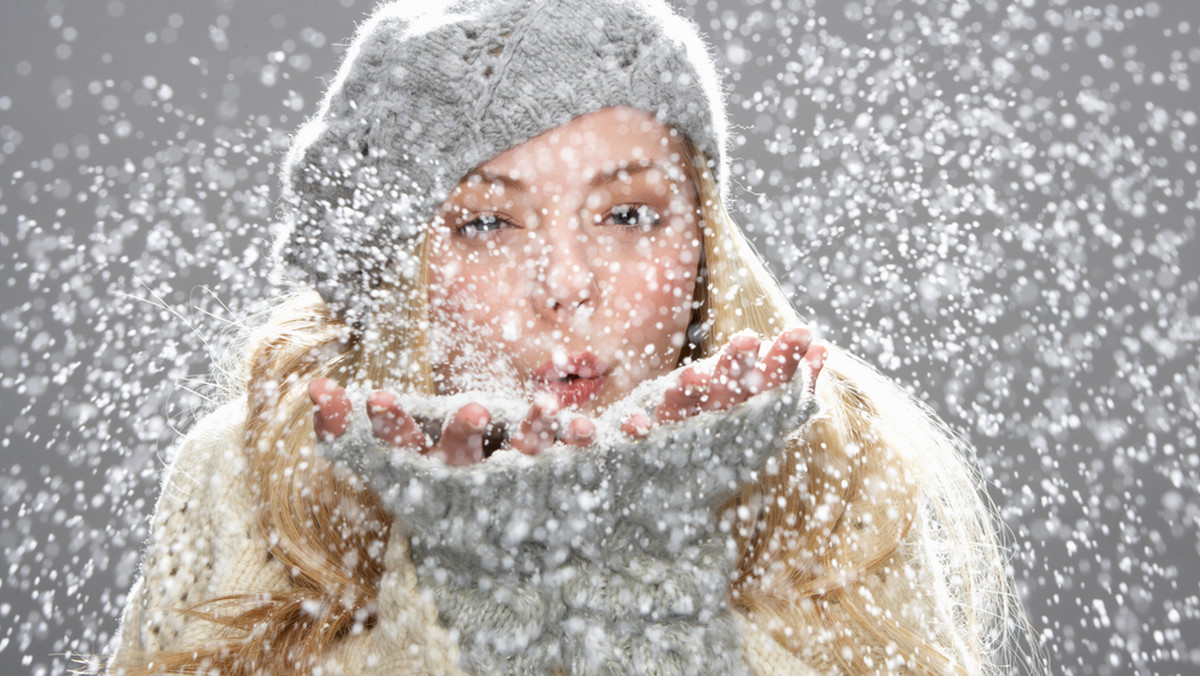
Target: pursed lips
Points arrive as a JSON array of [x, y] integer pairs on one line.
[[575, 380]]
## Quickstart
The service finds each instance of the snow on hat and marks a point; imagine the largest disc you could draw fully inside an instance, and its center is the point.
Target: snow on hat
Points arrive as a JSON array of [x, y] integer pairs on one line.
[[429, 91]]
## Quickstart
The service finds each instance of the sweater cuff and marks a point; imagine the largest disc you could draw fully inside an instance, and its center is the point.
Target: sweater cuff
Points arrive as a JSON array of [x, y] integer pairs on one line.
[[615, 491], [602, 558]]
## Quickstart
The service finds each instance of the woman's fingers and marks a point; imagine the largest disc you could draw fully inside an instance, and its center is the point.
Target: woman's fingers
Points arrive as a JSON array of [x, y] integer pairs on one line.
[[784, 355], [392, 424], [579, 432], [331, 408], [682, 399], [815, 358], [734, 377], [637, 425], [462, 436], [539, 428], [739, 374]]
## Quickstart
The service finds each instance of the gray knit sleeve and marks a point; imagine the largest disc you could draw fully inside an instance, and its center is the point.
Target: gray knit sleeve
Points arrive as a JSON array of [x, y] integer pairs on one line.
[[607, 559]]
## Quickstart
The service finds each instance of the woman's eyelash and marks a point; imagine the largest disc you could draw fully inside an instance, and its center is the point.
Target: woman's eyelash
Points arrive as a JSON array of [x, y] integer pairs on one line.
[[641, 216], [481, 224]]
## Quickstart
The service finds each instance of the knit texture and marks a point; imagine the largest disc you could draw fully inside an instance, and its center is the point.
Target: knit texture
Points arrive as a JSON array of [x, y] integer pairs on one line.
[[205, 543], [607, 559], [430, 90]]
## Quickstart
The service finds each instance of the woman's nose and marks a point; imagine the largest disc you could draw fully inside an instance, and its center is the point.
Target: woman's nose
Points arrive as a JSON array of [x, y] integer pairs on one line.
[[564, 280]]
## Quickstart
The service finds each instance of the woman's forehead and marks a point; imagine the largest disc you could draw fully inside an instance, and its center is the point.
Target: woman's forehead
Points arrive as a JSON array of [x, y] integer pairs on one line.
[[600, 143]]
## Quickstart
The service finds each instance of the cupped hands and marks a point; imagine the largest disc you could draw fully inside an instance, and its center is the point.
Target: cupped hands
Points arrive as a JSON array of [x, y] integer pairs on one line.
[[738, 374]]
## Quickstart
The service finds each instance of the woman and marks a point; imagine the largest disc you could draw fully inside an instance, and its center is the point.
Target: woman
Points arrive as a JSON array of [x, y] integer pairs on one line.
[[520, 200]]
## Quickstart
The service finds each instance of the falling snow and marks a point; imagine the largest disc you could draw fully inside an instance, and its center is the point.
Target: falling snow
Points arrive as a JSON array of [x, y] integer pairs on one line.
[[993, 202]]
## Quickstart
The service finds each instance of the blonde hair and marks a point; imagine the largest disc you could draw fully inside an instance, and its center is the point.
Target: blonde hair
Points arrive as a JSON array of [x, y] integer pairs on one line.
[[867, 549], [873, 507]]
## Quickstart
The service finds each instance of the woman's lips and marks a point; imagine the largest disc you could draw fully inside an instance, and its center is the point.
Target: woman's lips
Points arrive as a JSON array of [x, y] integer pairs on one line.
[[575, 382]]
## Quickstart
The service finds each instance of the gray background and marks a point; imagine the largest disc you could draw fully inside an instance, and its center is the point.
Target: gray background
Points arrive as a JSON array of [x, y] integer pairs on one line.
[[994, 202]]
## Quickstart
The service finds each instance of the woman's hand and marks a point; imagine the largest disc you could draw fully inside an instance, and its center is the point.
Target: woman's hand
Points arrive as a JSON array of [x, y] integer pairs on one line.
[[738, 375], [462, 438]]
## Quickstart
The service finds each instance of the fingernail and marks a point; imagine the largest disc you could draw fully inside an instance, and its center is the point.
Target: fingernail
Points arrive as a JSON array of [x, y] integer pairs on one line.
[[745, 342], [641, 424], [797, 334], [588, 431]]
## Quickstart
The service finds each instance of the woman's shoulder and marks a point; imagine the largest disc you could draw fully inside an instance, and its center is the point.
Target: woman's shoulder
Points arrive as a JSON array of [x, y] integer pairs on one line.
[[204, 538], [206, 499], [215, 441], [764, 655]]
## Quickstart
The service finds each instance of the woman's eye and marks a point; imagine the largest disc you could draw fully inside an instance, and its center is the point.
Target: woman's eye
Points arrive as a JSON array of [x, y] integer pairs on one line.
[[480, 225], [633, 216]]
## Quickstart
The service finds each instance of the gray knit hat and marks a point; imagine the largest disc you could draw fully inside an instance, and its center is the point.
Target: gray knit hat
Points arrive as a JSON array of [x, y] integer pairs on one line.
[[428, 91]]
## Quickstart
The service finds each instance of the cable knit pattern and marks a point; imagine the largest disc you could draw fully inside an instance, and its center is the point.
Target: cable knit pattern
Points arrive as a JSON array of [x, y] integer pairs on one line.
[[205, 543]]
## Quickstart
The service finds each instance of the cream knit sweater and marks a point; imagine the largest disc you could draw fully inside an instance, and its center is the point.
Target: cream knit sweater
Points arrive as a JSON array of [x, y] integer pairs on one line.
[[205, 543]]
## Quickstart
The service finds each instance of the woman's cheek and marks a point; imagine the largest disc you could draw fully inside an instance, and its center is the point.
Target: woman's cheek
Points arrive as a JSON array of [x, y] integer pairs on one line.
[[451, 296], [672, 285], [471, 289], [633, 310]]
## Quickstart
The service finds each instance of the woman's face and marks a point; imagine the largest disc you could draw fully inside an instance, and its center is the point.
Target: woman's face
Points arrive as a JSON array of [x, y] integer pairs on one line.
[[567, 264]]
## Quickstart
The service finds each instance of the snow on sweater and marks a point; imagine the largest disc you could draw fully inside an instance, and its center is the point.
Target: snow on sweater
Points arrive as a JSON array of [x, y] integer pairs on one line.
[[206, 543], [606, 559]]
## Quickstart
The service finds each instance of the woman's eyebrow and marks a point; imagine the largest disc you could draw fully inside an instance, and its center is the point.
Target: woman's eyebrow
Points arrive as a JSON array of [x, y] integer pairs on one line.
[[623, 170], [626, 169], [489, 179]]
